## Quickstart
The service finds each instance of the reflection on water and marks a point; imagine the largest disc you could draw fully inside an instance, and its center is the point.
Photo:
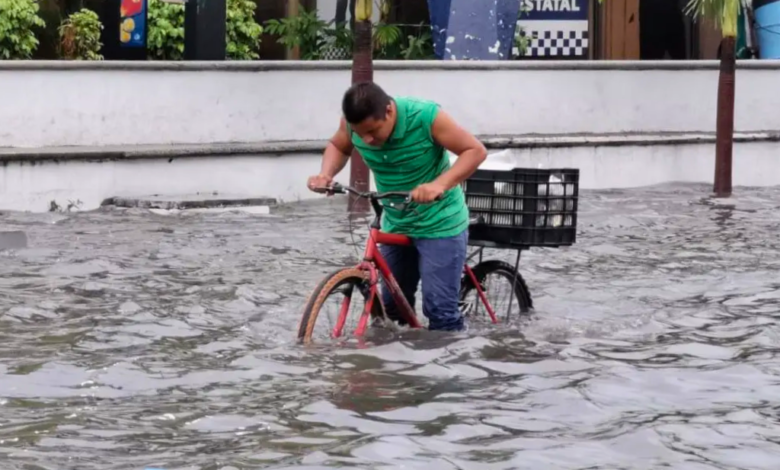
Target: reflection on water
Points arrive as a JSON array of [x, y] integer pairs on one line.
[[130, 340]]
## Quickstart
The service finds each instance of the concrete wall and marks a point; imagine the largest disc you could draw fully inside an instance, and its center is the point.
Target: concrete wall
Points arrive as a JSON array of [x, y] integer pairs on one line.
[[32, 185], [86, 132], [89, 104]]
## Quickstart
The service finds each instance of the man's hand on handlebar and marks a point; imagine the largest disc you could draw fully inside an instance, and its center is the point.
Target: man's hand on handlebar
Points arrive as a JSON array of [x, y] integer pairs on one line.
[[319, 183], [427, 192]]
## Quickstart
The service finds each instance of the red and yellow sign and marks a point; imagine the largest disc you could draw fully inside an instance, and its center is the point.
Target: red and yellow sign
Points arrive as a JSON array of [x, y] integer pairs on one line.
[[132, 22]]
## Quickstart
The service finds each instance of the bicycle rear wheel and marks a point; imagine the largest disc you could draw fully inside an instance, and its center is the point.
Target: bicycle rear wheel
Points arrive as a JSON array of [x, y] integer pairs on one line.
[[343, 282], [471, 304]]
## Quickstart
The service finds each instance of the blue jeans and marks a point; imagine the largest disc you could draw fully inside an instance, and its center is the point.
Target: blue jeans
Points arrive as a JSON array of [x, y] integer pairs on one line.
[[438, 263]]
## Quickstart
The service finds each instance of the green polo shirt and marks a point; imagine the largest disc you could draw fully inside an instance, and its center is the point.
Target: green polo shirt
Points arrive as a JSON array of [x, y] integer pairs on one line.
[[409, 158]]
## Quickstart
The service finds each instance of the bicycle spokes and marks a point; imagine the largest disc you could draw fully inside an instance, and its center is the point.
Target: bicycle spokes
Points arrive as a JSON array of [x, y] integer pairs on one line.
[[496, 293]]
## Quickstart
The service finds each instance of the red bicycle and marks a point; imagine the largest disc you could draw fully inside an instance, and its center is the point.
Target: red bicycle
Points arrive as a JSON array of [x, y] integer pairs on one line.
[[366, 276]]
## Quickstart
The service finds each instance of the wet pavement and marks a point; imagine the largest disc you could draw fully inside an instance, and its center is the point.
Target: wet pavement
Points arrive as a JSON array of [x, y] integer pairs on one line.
[[131, 340]]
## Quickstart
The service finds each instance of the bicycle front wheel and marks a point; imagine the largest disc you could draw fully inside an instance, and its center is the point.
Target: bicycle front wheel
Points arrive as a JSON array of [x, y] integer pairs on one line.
[[343, 284]]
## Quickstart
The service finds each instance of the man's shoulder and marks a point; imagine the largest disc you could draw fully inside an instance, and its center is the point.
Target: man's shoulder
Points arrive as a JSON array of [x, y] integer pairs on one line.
[[418, 112], [415, 102]]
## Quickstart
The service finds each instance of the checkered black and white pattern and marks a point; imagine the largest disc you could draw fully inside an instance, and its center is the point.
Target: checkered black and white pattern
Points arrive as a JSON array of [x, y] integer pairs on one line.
[[331, 52], [560, 43]]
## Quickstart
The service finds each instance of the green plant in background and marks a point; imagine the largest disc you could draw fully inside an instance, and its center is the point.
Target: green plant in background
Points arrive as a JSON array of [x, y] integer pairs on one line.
[[305, 31], [18, 18], [340, 42], [166, 30], [522, 40], [323, 40], [165, 39], [243, 32], [80, 36], [419, 47], [386, 40]]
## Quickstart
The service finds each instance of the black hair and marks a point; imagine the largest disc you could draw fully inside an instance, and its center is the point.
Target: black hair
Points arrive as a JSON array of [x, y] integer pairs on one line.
[[364, 100]]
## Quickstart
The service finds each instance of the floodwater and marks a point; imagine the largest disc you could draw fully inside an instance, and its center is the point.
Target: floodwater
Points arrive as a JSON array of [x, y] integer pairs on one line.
[[130, 340]]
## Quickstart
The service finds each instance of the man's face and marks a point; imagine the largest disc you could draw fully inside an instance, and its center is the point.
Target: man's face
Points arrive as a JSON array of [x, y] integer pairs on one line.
[[375, 132]]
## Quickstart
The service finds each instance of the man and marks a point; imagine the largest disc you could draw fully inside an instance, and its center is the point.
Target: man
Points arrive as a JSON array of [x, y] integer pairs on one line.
[[402, 140]]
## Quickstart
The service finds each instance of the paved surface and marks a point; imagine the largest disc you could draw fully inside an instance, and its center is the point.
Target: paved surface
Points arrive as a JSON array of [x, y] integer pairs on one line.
[[132, 340]]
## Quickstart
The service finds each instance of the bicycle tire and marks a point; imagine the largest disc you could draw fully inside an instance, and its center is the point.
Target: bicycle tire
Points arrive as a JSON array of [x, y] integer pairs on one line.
[[483, 269], [328, 284]]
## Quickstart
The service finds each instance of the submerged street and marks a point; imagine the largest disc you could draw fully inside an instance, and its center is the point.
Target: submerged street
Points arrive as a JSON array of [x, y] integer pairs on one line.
[[131, 340]]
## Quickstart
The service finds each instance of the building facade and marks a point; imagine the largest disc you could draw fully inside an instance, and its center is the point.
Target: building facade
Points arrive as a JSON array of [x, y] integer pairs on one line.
[[558, 29]]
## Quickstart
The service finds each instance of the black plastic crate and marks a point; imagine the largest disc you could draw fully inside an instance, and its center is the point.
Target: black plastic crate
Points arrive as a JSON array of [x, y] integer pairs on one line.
[[523, 207]]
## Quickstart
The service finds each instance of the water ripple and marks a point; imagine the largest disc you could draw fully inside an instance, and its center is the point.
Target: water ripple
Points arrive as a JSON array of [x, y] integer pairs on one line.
[[131, 340]]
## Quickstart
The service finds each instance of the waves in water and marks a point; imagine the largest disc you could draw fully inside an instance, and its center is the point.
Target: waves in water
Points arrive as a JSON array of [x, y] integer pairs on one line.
[[131, 340]]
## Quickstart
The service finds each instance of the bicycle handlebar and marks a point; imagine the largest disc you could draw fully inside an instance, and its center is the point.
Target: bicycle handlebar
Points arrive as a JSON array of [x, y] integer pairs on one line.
[[373, 195], [338, 188]]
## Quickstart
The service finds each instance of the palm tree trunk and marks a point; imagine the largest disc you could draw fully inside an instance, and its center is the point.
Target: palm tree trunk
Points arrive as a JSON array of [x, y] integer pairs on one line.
[[362, 71], [725, 120], [362, 57]]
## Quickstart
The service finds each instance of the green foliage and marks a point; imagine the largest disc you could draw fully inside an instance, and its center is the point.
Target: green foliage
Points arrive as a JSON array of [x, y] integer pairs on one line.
[[419, 47], [386, 41], [243, 32], [18, 18], [522, 40], [723, 12], [321, 40], [166, 30], [304, 31], [80, 36]]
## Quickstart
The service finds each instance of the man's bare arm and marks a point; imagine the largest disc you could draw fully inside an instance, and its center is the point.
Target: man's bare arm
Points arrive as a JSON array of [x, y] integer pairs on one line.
[[337, 152], [470, 151]]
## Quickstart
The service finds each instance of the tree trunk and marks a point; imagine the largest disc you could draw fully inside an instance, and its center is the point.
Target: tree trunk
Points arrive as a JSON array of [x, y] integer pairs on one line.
[[362, 56], [725, 120], [292, 11], [362, 71], [341, 12]]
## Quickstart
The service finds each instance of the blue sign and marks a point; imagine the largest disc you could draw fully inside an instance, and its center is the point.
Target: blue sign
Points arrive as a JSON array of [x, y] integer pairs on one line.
[[440, 18], [507, 24], [473, 30]]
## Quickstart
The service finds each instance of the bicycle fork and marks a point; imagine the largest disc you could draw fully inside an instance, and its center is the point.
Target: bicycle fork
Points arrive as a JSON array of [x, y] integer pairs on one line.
[[371, 294]]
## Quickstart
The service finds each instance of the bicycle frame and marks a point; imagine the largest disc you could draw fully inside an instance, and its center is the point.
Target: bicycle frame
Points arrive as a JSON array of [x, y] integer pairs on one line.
[[376, 265]]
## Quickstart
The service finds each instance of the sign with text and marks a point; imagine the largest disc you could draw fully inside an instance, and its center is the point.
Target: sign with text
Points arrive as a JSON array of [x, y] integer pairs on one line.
[[554, 10], [556, 29]]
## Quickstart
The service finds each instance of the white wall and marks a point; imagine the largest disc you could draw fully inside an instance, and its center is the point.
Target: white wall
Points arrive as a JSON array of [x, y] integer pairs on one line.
[[109, 103], [31, 187]]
